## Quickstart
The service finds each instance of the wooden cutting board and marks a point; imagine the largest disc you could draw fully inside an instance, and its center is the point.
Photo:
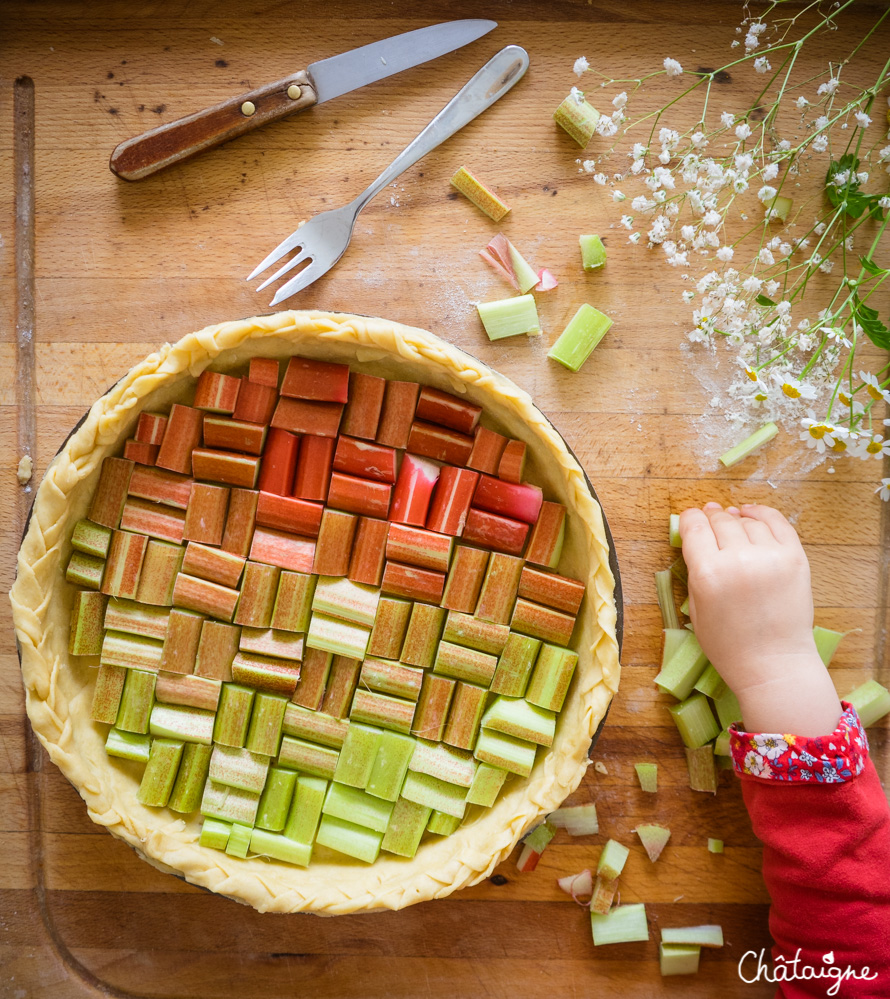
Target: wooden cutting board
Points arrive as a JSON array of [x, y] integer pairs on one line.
[[120, 268]]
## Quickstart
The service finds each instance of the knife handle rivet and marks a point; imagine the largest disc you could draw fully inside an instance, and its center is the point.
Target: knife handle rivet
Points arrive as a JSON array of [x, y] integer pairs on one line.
[[248, 108], [294, 92]]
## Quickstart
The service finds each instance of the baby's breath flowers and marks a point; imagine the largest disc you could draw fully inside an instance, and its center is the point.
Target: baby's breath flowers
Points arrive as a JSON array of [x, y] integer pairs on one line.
[[794, 290]]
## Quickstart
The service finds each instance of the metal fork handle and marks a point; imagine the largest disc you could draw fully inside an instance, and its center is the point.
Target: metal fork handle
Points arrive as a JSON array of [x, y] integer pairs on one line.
[[495, 78]]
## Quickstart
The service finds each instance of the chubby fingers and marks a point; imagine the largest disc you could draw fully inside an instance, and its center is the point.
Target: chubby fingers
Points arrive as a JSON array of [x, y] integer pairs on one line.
[[727, 529], [774, 521], [699, 542]]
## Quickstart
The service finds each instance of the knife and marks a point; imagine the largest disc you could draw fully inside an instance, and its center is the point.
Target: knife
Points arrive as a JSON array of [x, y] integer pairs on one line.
[[177, 141]]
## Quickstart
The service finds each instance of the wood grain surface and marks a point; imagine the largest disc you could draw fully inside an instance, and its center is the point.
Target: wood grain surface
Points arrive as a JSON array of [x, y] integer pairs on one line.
[[122, 267]]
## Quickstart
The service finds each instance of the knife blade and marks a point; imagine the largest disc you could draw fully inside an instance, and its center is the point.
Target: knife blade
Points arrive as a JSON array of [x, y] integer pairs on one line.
[[179, 140]]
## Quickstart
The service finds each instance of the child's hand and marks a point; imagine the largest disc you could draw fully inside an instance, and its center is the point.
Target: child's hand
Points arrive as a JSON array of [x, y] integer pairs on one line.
[[752, 609]]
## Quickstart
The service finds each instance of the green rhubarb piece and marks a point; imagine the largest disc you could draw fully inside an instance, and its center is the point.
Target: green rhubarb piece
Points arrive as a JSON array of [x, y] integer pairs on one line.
[[372, 708], [487, 783], [710, 683], [90, 538], [481, 196], [357, 755], [214, 834], [647, 774], [456, 766], [700, 764], [342, 638], [406, 827], [749, 445], [721, 744], [230, 804], [349, 839], [677, 959], [266, 720], [577, 117], [522, 272], [293, 603], [107, 693], [160, 773], [87, 623], [612, 860], [355, 805], [577, 820], [233, 714], [871, 701], [509, 317], [136, 702], [674, 531], [339, 597], [127, 745], [680, 569], [687, 663], [522, 720], [174, 721], [318, 761], [464, 629], [191, 778], [779, 208], [540, 836], [577, 341], [553, 674], [707, 935], [664, 592], [137, 619], [654, 839], [515, 665], [673, 639], [389, 677], [271, 844], [421, 637], [684, 607], [305, 810], [423, 789], [715, 845], [623, 924], [275, 800], [695, 720], [461, 663], [394, 753], [85, 570], [442, 824], [827, 642], [239, 840], [238, 768], [728, 709], [593, 253], [512, 755], [131, 651]]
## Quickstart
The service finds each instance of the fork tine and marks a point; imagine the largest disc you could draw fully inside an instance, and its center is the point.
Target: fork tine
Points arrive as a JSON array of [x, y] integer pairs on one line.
[[300, 258], [285, 246], [300, 281]]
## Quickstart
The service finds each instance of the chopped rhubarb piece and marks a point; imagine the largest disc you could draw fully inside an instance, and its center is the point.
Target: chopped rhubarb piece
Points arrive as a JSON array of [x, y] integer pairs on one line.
[[271, 642], [279, 463], [422, 637], [325, 381], [579, 886], [314, 761], [709, 935], [439, 443], [482, 197], [579, 119], [362, 413], [577, 820], [287, 551], [276, 676], [511, 467], [534, 845], [264, 371], [190, 778], [182, 436], [447, 410], [553, 674], [499, 750], [494, 531], [432, 707], [233, 716], [91, 538], [314, 672], [293, 603], [654, 839], [365, 459], [305, 416], [456, 766], [353, 768], [515, 665], [555, 591], [826, 640], [205, 597], [142, 454], [342, 681], [161, 486], [205, 518], [413, 491], [405, 829], [542, 622], [107, 693], [451, 500], [256, 402], [87, 623], [216, 650], [647, 774], [287, 513], [213, 564], [488, 448], [678, 959], [412, 582], [313, 473], [510, 317], [226, 466], [461, 663], [388, 677], [314, 726], [334, 548], [519, 501], [546, 280], [499, 588], [545, 544], [348, 601], [234, 435], [441, 824], [162, 522], [125, 615], [229, 805], [85, 570], [415, 546], [240, 521], [188, 691], [503, 256], [684, 664], [363, 496], [160, 773], [695, 721], [440, 795], [487, 783], [264, 734], [343, 638], [593, 253], [388, 712], [517, 717], [871, 701], [702, 772], [216, 392], [390, 626], [577, 341], [369, 551], [603, 894], [111, 492], [399, 404], [258, 591], [475, 634], [150, 428], [161, 563], [465, 579], [131, 651], [124, 565]]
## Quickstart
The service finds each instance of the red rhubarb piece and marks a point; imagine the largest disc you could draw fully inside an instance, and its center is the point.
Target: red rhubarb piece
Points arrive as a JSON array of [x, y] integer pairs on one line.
[[111, 492], [240, 521], [412, 582], [432, 707], [334, 548], [342, 681], [264, 371], [542, 622], [256, 402], [279, 463], [465, 579], [413, 491], [490, 529], [548, 588], [204, 597], [162, 522], [306, 416], [182, 436], [371, 499], [181, 641], [488, 447], [287, 551], [124, 564], [545, 544], [226, 466], [519, 501], [323, 381], [313, 473], [314, 672], [499, 589], [451, 500], [214, 564], [440, 443], [397, 415], [205, 518], [465, 715], [447, 410], [140, 452], [362, 413], [512, 464], [150, 428], [216, 392], [368, 551], [234, 435], [287, 513], [161, 486], [416, 546], [365, 459]]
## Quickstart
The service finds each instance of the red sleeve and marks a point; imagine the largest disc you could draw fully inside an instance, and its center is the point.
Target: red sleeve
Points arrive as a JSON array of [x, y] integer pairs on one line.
[[819, 809]]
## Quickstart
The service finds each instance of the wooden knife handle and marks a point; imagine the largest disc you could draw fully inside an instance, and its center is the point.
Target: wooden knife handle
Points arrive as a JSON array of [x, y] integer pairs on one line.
[[177, 141]]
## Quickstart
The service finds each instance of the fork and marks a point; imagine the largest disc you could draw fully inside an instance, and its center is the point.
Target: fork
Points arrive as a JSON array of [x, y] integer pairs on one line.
[[324, 238]]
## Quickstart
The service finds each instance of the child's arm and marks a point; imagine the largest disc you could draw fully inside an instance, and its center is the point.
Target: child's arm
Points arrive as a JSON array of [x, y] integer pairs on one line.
[[814, 796]]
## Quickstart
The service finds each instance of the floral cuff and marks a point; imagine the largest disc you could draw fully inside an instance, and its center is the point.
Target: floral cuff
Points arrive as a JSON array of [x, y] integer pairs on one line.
[[824, 759]]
